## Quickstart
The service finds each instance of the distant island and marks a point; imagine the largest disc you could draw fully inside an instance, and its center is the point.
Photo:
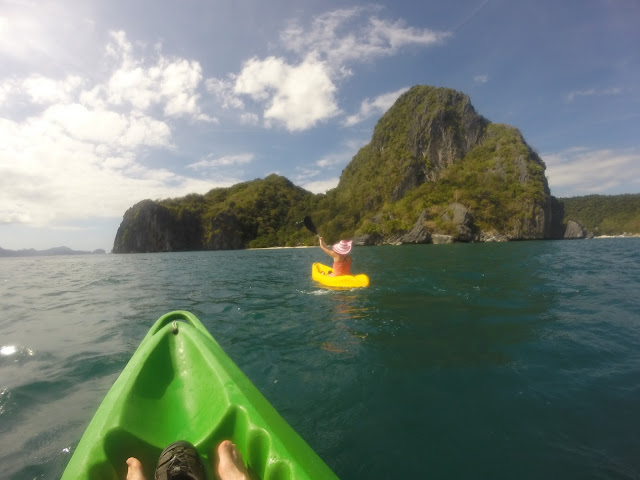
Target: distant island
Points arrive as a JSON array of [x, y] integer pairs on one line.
[[30, 252], [435, 171], [605, 215]]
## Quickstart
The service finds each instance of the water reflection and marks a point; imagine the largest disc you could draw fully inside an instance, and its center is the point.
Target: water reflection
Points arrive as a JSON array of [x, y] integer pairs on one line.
[[463, 307], [347, 308], [474, 336]]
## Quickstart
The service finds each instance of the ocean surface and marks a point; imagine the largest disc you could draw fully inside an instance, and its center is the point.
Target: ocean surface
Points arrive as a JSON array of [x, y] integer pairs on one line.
[[479, 361]]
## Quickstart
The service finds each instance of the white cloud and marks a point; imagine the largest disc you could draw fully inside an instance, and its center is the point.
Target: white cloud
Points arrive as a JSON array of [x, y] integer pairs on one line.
[[134, 82], [484, 78], [171, 82], [39, 91], [223, 90], [378, 105], [225, 161], [79, 152], [326, 165], [304, 175], [51, 169], [593, 92], [103, 127], [44, 90], [45, 35], [4, 25], [321, 186], [301, 93], [341, 158], [582, 171], [20, 35], [298, 96], [8, 217], [249, 118], [258, 77], [341, 36], [180, 79], [5, 90], [395, 35]]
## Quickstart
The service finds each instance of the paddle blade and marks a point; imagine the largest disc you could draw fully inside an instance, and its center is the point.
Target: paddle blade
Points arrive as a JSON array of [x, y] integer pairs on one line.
[[309, 224]]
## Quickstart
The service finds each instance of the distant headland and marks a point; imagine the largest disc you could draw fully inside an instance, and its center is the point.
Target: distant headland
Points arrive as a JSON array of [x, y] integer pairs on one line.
[[30, 252]]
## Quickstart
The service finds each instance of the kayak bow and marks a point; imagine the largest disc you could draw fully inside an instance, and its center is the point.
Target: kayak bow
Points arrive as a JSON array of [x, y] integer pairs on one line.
[[181, 385]]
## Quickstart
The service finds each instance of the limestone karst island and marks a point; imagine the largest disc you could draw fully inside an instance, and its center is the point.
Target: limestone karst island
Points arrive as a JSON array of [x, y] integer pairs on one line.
[[435, 171]]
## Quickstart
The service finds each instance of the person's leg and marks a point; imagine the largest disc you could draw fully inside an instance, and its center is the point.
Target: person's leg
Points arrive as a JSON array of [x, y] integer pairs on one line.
[[134, 469], [230, 465]]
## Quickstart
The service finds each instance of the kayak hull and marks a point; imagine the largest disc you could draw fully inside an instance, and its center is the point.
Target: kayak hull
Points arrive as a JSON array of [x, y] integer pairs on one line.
[[323, 274], [181, 385]]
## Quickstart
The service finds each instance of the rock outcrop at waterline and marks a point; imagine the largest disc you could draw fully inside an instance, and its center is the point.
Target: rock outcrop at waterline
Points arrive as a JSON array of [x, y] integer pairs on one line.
[[435, 171], [575, 231]]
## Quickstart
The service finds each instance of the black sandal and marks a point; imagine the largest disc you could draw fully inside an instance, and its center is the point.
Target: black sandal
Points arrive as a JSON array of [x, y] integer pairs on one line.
[[180, 461]]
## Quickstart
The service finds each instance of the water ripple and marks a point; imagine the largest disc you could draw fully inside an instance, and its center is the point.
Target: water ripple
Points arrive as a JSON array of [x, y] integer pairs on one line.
[[524, 356]]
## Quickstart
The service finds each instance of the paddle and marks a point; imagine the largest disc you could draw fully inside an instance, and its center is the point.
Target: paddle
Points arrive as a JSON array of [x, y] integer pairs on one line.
[[310, 226]]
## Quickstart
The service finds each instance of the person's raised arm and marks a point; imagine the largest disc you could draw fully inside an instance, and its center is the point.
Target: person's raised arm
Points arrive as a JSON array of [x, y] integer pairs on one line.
[[326, 249]]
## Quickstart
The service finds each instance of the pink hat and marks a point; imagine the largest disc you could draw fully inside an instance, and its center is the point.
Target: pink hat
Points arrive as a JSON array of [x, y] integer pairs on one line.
[[342, 248]]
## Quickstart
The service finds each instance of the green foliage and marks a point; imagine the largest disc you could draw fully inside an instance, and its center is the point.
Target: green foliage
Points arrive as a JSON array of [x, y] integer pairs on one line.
[[263, 213], [397, 156], [429, 150], [605, 214], [499, 181]]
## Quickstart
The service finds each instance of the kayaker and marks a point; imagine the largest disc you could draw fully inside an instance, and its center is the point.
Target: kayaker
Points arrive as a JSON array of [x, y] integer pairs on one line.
[[229, 465], [340, 254]]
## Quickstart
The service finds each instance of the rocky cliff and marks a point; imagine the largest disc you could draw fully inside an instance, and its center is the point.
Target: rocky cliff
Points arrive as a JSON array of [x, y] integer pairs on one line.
[[432, 149], [149, 226], [260, 213], [435, 171]]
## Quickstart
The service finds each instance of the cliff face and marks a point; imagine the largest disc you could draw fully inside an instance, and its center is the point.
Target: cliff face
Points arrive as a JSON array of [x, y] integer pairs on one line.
[[430, 149], [260, 213], [151, 227], [441, 128], [434, 171], [226, 233], [427, 130]]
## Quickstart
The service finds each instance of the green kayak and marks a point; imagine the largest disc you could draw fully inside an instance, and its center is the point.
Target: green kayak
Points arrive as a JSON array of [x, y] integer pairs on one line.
[[181, 385]]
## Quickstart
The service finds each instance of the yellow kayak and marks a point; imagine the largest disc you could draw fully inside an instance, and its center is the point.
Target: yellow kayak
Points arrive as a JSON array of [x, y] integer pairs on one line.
[[323, 274]]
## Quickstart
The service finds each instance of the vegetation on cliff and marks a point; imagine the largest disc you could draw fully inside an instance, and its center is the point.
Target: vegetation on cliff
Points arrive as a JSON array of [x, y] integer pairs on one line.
[[432, 149], [501, 181], [431, 160], [267, 212], [260, 213], [605, 214]]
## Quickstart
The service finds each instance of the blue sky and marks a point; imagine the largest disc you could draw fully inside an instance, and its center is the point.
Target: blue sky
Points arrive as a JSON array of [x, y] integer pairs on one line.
[[104, 104]]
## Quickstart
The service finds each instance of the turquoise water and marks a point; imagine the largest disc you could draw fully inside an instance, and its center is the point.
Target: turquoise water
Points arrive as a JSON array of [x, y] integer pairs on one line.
[[500, 361]]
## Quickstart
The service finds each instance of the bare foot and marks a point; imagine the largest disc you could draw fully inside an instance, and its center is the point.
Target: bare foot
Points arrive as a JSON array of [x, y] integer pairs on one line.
[[230, 465], [134, 472]]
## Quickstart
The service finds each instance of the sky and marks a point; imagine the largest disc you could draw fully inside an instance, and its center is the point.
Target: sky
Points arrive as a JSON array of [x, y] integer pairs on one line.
[[106, 103]]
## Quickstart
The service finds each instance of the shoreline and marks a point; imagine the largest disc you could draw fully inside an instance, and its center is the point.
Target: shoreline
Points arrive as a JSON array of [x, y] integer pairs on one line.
[[279, 248], [635, 235]]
